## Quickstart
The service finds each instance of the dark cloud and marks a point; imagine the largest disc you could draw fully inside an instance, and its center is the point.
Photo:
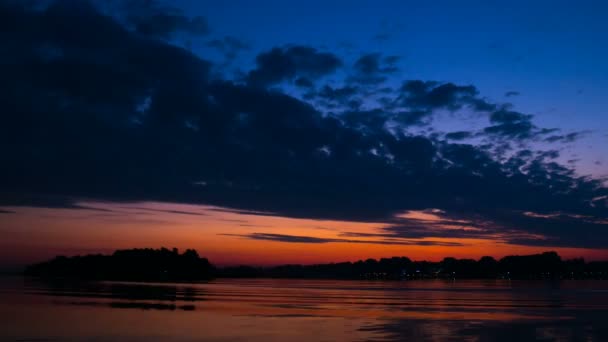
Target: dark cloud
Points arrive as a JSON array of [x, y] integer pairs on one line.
[[514, 227], [566, 138], [556, 229], [153, 18], [338, 94], [106, 113], [429, 95], [287, 63], [508, 117], [311, 239], [181, 212], [374, 120], [372, 68], [373, 63], [18, 199], [303, 82], [460, 135], [229, 46], [335, 96], [514, 125]]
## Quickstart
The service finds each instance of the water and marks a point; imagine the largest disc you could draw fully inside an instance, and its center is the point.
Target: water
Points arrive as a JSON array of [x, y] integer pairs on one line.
[[304, 310]]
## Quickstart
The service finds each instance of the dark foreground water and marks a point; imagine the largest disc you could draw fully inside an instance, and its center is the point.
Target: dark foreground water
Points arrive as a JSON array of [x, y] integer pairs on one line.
[[304, 310]]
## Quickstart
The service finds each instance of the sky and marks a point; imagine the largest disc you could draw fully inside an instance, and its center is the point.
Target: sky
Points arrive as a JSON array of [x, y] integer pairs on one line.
[[303, 131]]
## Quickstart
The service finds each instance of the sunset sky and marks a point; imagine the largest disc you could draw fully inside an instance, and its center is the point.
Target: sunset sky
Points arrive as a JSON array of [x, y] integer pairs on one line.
[[274, 132]]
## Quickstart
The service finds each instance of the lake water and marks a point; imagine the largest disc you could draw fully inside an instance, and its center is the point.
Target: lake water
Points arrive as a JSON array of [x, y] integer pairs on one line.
[[304, 310]]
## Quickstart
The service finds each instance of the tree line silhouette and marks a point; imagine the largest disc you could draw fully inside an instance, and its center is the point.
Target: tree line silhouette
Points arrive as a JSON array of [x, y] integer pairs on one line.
[[145, 264], [169, 265], [547, 265]]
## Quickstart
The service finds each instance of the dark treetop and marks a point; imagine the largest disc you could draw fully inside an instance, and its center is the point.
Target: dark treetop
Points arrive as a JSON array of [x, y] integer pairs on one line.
[[131, 264]]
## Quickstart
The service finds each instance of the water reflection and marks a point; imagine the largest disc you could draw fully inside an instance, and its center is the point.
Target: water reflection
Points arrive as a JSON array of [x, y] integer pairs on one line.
[[134, 305], [305, 310], [588, 329], [130, 291], [118, 295]]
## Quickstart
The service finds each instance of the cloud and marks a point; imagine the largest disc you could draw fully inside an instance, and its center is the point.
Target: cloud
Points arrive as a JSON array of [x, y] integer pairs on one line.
[[152, 18], [512, 93], [375, 120], [287, 63], [513, 125], [229, 46], [303, 82], [181, 212], [373, 63], [508, 117], [372, 68], [433, 225], [107, 113], [460, 135], [566, 138], [17, 199], [560, 229], [311, 239], [430, 95], [506, 226], [336, 96]]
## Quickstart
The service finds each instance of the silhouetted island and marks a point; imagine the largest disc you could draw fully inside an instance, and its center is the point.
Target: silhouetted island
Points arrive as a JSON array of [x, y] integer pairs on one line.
[[145, 264], [168, 265]]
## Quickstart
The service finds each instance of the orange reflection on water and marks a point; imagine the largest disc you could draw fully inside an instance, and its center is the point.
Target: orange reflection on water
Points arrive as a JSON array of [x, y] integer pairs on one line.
[[301, 310]]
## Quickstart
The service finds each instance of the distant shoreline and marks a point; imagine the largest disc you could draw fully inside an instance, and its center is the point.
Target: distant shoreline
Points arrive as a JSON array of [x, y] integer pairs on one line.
[[164, 265]]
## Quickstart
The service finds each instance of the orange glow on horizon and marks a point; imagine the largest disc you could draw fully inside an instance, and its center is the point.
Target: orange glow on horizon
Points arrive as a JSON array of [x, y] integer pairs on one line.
[[36, 234]]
